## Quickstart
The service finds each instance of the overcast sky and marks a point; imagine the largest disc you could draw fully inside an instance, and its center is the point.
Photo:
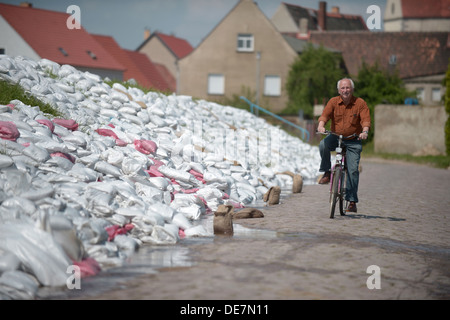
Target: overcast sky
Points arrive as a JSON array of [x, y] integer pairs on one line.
[[126, 20]]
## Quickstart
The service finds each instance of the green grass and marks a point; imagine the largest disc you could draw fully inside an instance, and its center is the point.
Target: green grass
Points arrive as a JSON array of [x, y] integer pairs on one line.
[[9, 92], [433, 161]]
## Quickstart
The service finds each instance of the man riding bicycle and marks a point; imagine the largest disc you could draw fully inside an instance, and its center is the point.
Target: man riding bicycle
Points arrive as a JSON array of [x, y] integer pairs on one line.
[[349, 115]]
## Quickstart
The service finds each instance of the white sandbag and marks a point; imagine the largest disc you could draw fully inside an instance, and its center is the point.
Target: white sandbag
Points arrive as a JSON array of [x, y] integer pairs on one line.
[[5, 161], [18, 285], [35, 194], [163, 235], [19, 205], [164, 210], [8, 261], [110, 113], [181, 221], [119, 96], [131, 166], [37, 251], [113, 156], [106, 168], [36, 153], [197, 231], [191, 211], [154, 218], [84, 174]]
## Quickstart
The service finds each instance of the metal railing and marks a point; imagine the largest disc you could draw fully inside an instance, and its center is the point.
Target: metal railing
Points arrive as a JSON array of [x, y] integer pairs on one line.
[[258, 108]]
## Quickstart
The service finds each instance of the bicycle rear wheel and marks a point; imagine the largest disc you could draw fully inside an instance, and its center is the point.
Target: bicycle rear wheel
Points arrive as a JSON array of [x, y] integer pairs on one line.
[[342, 194], [334, 190]]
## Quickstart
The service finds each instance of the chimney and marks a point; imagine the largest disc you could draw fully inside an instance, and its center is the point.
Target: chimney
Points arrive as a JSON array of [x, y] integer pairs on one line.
[[26, 4], [322, 16], [335, 10], [147, 34]]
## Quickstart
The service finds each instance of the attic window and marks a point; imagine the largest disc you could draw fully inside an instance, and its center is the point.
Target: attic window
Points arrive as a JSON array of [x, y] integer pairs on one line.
[[91, 54], [64, 52], [393, 59], [245, 42]]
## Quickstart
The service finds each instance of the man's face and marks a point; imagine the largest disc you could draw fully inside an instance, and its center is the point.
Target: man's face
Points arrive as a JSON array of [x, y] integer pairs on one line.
[[345, 89]]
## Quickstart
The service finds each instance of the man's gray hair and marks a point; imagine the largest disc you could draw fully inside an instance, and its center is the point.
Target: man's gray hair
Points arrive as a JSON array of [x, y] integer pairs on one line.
[[351, 82]]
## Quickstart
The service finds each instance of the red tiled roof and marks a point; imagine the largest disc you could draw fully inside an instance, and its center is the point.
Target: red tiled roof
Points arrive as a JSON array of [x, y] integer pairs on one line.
[[414, 53], [151, 71], [426, 9], [179, 47], [138, 66], [335, 21], [46, 32]]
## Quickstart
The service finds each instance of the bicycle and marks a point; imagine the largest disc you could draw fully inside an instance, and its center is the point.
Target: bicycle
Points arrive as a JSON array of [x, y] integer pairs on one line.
[[338, 176]]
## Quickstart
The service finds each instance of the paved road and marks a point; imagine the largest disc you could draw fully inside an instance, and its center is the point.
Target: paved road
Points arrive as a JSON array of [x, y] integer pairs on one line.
[[297, 252]]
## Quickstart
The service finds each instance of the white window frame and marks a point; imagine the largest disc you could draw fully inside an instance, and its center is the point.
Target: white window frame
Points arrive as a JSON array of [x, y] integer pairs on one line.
[[272, 85], [245, 42], [216, 84], [420, 94], [435, 94]]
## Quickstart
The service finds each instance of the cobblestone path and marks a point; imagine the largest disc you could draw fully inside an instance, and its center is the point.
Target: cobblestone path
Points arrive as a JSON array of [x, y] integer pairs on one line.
[[297, 252]]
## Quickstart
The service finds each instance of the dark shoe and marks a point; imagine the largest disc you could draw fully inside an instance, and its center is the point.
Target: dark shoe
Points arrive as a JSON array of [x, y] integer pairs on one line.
[[352, 207], [325, 178]]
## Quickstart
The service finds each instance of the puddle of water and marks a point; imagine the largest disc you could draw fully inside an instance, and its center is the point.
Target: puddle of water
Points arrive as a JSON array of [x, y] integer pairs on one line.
[[150, 258]]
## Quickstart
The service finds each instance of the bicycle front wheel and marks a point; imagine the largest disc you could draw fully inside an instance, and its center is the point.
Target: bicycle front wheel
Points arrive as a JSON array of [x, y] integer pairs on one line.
[[335, 190]]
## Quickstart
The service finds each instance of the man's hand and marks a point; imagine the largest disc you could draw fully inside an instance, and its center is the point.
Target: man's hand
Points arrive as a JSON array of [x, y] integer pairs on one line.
[[363, 136], [321, 127]]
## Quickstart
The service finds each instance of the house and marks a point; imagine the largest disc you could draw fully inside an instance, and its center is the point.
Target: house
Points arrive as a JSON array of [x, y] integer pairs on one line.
[[37, 34], [138, 66], [417, 15], [244, 50], [299, 21], [165, 50], [420, 58]]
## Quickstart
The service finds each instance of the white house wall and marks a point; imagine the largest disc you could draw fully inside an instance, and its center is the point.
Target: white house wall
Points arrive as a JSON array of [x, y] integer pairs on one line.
[[12, 42]]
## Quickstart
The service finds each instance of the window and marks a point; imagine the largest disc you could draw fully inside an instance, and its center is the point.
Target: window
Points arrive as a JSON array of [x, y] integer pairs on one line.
[[64, 52], [2, 51], [245, 42], [216, 84], [272, 86], [420, 94], [436, 94], [91, 54], [393, 59]]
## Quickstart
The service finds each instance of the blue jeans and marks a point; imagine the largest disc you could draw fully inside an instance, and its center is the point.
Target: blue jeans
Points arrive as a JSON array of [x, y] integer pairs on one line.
[[353, 155]]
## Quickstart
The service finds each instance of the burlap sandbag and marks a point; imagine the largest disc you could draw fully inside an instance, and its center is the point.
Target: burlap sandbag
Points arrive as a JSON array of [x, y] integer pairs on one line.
[[272, 196], [223, 220], [297, 184], [248, 213]]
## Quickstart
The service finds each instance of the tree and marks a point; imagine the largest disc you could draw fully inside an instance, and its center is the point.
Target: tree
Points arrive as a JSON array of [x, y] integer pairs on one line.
[[376, 86], [312, 77]]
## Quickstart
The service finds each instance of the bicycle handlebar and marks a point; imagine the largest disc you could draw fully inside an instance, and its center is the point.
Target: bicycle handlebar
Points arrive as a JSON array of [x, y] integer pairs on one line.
[[334, 133]]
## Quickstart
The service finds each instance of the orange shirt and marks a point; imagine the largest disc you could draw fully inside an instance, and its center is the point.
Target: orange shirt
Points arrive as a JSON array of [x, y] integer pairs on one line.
[[346, 120]]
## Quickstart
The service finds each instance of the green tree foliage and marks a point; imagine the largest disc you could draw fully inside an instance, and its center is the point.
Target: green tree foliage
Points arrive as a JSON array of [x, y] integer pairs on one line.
[[377, 86], [447, 109], [312, 77]]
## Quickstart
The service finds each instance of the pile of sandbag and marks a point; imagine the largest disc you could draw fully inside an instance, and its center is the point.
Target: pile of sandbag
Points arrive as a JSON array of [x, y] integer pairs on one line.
[[120, 168]]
